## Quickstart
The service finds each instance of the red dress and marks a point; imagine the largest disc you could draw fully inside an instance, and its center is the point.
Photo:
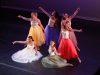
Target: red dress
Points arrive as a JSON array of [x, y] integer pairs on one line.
[[66, 47]]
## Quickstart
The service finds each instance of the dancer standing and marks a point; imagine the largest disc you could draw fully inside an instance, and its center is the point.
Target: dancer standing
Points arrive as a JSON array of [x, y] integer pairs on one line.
[[54, 60], [66, 47], [36, 30], [51, 28], [72, 34], [27, 54]]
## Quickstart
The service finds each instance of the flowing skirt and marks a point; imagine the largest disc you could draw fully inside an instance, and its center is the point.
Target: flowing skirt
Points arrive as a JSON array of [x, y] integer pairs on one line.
[[26, 55], [37, 34], [73, 38], [51, 34], [67, 49], [54, 61]]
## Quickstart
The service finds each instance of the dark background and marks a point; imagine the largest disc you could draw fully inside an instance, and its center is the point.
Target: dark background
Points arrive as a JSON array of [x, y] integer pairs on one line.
[[89, 8], [12, 28]]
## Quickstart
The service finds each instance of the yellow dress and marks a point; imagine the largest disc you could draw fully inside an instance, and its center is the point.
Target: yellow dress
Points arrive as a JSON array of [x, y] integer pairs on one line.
[[37, 33]]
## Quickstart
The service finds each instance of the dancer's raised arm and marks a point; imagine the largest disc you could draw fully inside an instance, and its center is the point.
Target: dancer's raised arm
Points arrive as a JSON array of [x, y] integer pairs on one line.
[[74, 14], [24, 18], [21, 42], [44, 11]]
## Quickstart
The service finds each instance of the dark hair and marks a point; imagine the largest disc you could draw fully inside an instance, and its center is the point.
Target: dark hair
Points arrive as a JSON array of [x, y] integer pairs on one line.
[[54, 42], [30, 37], [56, 14], [63, 18]]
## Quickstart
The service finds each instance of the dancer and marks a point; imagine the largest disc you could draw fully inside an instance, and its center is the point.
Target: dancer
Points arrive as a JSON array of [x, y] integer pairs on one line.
[[66, 47], [36, 30], [28, 54], [51, 30], [72, 34], [54, 60]]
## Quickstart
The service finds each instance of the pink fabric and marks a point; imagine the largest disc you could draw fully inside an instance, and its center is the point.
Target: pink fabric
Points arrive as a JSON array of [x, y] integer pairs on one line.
[[73, 38]]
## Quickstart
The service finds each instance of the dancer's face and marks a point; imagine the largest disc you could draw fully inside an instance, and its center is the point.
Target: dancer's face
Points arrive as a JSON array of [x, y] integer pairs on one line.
[[33, 15], [29, 39], [52, 43], [66, 15]]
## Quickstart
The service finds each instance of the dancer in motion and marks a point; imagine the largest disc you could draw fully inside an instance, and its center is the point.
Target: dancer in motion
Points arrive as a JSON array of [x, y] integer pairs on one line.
[[72, 34], [36, 29], [27, 54], [51, 31], [66, 47], [54, 60]]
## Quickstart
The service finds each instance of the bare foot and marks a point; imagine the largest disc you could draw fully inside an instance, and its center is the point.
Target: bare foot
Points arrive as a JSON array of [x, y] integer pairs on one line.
[[70, 64], [77, 48], [80, 61]]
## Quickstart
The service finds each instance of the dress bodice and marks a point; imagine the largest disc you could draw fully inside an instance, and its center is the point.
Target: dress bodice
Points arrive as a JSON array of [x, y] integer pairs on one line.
[[51, 22], [65, 34], [51, 51], [30, 47], [34, 23]]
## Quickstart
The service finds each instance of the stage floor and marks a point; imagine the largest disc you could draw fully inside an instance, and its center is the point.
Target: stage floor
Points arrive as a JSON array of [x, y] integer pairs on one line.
[[13, 28]]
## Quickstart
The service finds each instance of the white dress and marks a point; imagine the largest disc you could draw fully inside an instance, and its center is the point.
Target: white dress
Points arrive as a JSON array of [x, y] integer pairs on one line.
[[26, 55]]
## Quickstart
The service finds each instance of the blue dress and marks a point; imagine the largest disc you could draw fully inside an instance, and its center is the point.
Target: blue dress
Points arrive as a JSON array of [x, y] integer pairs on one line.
[[51, 32]]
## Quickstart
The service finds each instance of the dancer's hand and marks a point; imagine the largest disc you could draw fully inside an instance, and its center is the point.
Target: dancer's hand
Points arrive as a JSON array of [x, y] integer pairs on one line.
[[40, 8], [36, 54], [59, 54], [14, 42], [80, 30], [19, 16], [78, 8]]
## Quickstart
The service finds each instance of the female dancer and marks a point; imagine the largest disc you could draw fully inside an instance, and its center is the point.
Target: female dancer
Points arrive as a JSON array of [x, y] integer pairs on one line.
[[27, 54], [54, 60], [51, 28], [36, 29], [72, 34], [66, 47]]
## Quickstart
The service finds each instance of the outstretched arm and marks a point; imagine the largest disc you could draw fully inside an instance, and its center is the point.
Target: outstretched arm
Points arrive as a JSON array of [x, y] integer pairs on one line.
[[76, 30], [44, 11], [21, 42], [74, 14], [40, 24], [24, 18]]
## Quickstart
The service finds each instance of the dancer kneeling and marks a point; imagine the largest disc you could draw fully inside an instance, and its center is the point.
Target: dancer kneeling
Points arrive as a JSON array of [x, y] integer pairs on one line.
[[54, 60], [27, 54]]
